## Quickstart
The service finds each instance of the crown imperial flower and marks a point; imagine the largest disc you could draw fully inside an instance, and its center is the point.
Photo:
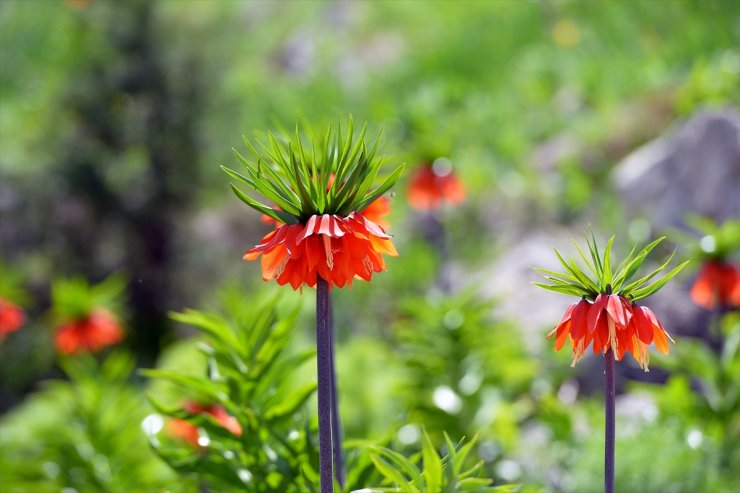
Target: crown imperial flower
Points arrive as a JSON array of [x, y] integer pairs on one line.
[[91, 333], [324, 202], [717, 285], [11, 317], [432, 185], [188, 432], [607, 316]]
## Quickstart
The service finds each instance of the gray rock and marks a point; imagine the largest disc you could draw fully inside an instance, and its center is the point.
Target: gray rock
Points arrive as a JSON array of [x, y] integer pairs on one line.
[[693, 169]]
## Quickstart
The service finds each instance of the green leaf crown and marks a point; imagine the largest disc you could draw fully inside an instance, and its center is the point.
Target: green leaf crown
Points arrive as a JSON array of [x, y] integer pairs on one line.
[[298, 179], [601, 277]]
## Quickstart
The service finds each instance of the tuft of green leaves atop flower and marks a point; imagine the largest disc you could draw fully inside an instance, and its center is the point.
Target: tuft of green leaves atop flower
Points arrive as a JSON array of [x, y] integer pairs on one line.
[[335, 173], [11, 285], [717, 242], [601, 276], [75, 298], [438, 474]]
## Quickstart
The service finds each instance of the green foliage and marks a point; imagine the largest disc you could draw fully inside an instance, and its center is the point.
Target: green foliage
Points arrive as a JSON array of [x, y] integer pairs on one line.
[[83, 434], [715, 408], [577, 282], [716, 242], [252, 374], [466, 372], [300, 181], [75, 298], [11, 285], [429, 472], [653, 458]]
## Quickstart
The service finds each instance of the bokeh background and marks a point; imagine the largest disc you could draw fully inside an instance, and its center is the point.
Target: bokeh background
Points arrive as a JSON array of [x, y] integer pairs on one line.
[[558, 116]]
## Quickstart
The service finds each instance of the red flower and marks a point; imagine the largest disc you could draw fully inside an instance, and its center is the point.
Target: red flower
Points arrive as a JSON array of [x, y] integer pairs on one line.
[[377, 210], [430, 188], [11, 317], [333, 247], [90, 334], [189, 432], [717, 285], [611, 322]]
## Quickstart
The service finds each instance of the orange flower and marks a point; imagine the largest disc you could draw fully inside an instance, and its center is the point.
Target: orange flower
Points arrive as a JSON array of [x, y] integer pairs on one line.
[[375, 212], [611, 322], [92, 333], [431, 186], [11, 317], [330, 246], [189, 432], [717, 285]]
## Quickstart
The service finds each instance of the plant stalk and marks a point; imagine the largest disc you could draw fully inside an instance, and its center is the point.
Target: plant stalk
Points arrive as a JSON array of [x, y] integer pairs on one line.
[[609, 442], [324, 369], [336, 422]]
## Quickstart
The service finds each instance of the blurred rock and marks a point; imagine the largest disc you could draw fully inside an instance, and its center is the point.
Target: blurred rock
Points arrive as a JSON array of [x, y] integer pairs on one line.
[[693, 168], [509, 280]]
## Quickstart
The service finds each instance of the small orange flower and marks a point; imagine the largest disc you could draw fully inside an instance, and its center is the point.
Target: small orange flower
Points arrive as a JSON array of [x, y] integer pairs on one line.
[[90, 334], [431, 186], [717, 285], [11, 317], [189, 432], [333, 247], [611, 322]]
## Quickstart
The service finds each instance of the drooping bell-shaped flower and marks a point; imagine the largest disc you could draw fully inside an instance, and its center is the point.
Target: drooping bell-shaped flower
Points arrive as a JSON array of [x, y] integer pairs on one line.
[[326, 209], [433, 185], [717, 285], [12, 317], [607, 316], [86, 320]]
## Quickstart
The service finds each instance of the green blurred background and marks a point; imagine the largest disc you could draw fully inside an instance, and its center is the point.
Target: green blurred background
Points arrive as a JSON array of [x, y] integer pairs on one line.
[[114, 117]]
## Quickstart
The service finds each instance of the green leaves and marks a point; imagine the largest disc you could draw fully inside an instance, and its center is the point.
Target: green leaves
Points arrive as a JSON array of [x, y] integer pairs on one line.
[[601, 277], [253, 378], [436, 474], [74, 298], [336, 174]]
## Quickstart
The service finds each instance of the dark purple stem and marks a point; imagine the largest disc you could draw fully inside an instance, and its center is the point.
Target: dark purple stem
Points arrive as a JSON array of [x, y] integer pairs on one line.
[[436, 235], [323, 364], [609, 390], [336, 422]]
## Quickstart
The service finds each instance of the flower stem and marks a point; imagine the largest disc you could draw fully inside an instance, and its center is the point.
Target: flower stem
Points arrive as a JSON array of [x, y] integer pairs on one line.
[[336, 422], [323, 364], [435, 235], [609, 390]]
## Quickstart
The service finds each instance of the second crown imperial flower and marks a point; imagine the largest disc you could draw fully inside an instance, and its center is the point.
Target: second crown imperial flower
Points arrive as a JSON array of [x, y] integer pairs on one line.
[[612, 321]]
